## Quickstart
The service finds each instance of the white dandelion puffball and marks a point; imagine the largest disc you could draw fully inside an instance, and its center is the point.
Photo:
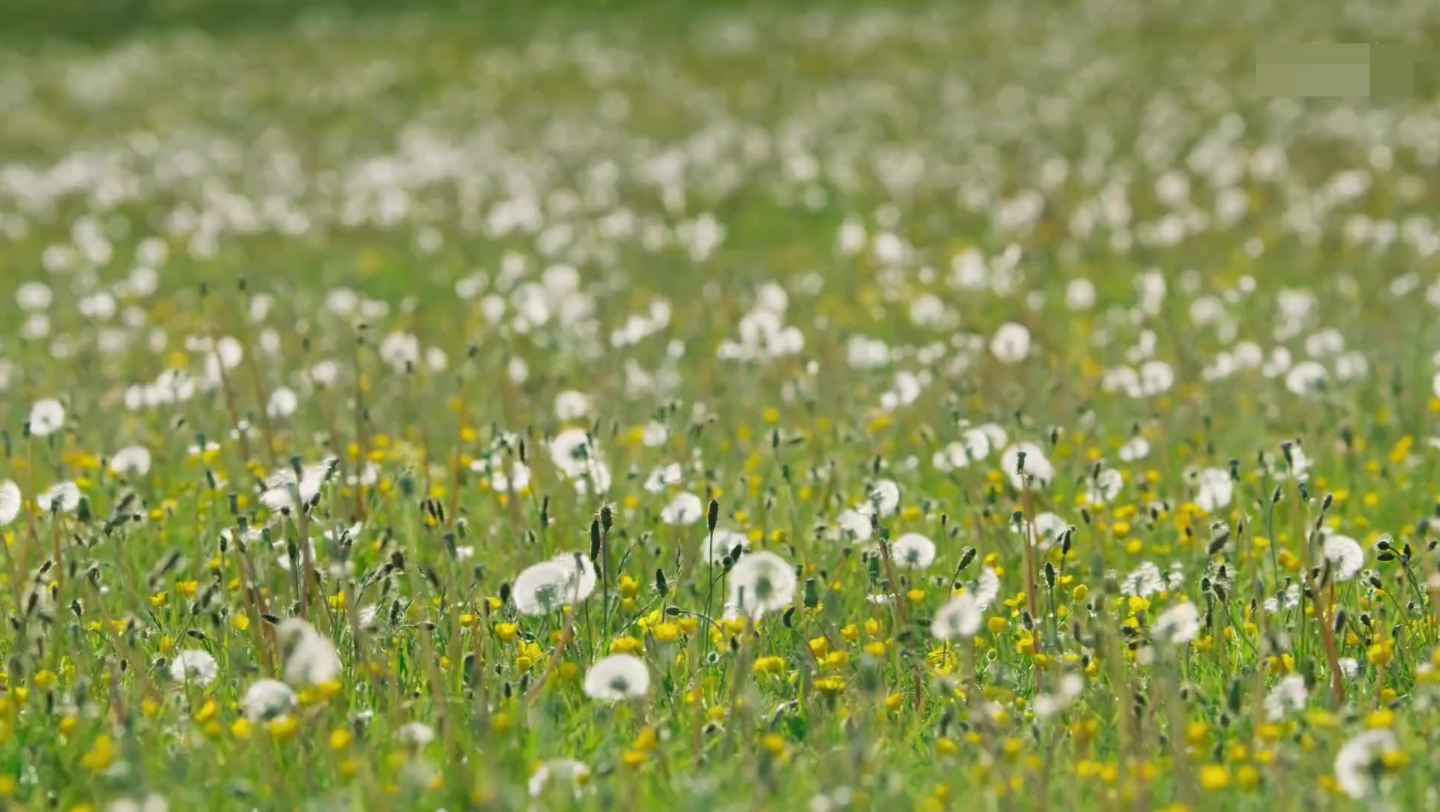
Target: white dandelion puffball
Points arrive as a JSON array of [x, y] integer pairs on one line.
[[1080, 294], [570, 449], [310, 658], [994, 433], [558, 769], [596, 477], [1135, 449], [1038, 469], [685, 509], [1011, 343], [1215, 489], [1354, 764], [987, 588], [759, 583], [540, 588], [617, 678], [282, 403], [545, 587], [1298, 464], [958, 619], [884, 497], [1145, 581], [32, 296], [151, 803], [577, 457], [133, 459], [1156, 377], [662, 476], [415, 734], [1345, 555], [47, 416], [1105, 487], [973, 446], [655, 434], [267, 699], [280, 487], [194, 666], [1288, 696], [1305, 378], [62, 496], [571, 405], [1046, 528], [855, 524], [515, 480], [1179, 624], [10, 502], [913, 551], [581, 574], [716, 547]]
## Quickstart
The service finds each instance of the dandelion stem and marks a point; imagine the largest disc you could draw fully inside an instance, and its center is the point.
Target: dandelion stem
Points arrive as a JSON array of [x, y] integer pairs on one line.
[[360, 440], [307, 561], [254, 368], [1327, 638], [1028, 541], [903, 617], [567, 632]]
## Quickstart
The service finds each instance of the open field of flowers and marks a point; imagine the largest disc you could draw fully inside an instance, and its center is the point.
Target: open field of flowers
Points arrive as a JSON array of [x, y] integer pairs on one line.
[[983, 406]]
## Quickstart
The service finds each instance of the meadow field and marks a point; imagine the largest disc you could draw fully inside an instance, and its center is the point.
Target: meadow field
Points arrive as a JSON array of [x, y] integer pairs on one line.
[[802, 406]]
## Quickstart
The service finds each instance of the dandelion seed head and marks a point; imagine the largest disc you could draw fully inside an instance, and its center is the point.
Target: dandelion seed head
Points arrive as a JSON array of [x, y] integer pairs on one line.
[[568, 579], [194, 666], [131, 460], [415, 734], [759, 583], [913, 551], [1288, 696], [1178, 625], [63, 497], [1345, 556], [716, 548], [685, 509], [617, 678], [47, 416], [1038, 472], [958, 619], [1354, 763], [310, 657], [573, 773], [10, 502], [268, 699]]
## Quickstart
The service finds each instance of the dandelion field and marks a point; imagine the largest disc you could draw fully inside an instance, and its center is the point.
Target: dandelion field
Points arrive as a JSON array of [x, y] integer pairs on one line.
[[999, 405]]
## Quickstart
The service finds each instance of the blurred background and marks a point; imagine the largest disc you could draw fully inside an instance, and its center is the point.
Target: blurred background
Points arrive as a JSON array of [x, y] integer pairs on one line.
[[262, 134]]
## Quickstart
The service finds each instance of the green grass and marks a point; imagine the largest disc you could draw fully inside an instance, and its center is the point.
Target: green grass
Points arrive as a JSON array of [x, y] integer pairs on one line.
[[274, 156]]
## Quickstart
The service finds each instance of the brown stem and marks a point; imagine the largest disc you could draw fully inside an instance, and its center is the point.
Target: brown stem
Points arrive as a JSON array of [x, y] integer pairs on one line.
[[1327, 636], [307, 562], [255, 601]]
